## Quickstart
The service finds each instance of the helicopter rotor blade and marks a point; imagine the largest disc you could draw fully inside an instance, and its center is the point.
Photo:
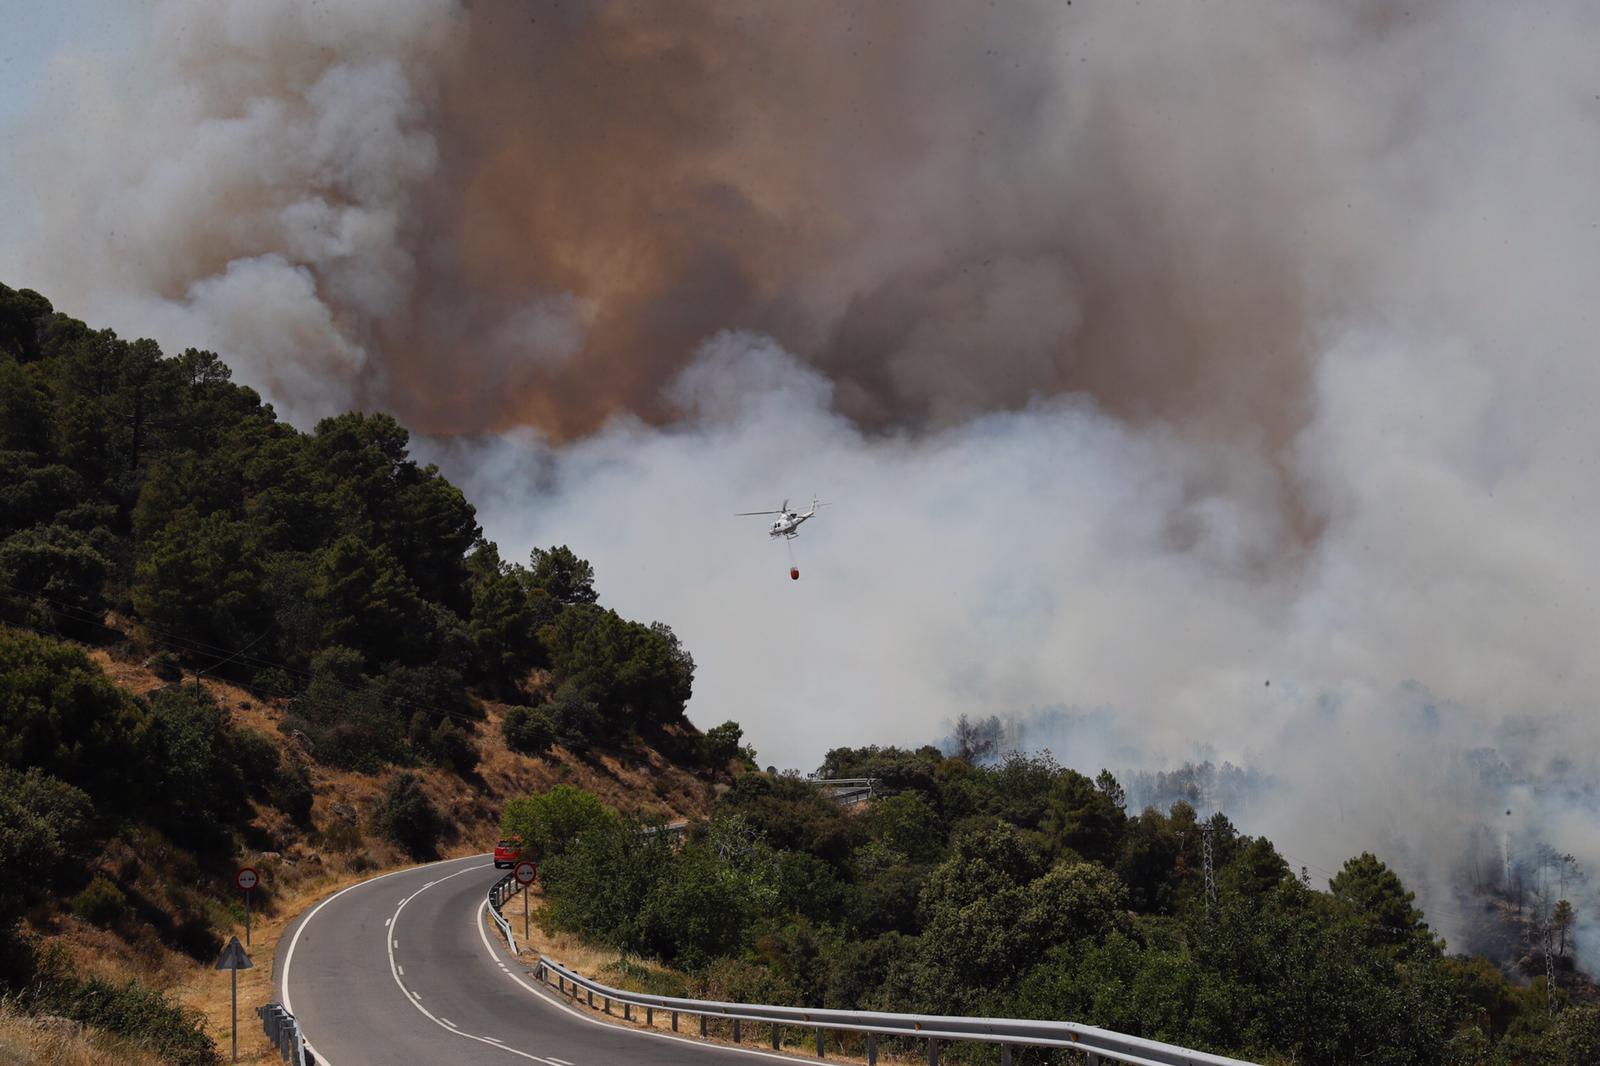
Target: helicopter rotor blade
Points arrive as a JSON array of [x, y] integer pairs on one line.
[[742, 514]]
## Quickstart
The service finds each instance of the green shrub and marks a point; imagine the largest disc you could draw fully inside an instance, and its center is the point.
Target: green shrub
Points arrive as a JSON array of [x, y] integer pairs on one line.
[[529, 731], [291, 791], [256, 755], [274, 683], [720, 745], [66, 718], [165, 665], [406, 816], [195, 937], [551, 822], [451, 747], [577, 718], [137, 1012], [102, 903], [44, 824]]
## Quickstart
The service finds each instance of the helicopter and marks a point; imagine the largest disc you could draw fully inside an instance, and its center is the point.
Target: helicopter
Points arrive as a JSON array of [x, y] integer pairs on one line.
[[788, 524]]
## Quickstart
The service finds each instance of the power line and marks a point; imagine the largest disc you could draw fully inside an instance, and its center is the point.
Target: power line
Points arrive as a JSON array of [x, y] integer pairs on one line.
[[1209, 862]]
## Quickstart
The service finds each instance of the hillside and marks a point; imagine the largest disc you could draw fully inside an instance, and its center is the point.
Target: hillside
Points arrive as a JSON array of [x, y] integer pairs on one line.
[[1022, 888], [226, 641]]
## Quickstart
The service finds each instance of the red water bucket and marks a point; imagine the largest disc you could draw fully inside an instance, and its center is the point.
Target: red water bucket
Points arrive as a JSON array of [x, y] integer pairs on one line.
[[794, 573]]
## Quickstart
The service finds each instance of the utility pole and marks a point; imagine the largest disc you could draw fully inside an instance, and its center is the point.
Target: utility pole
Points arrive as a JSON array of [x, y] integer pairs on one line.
[[1549, 964]]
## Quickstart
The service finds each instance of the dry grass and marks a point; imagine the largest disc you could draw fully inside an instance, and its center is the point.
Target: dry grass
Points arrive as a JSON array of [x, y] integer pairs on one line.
[[298, 889], [570, 950], [300, 865], [26, 1040], [634, 974]]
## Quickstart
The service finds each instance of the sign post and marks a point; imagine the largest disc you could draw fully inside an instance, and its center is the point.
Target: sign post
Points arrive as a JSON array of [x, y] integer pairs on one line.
[[233, 960], [525, 873], [246, 879]]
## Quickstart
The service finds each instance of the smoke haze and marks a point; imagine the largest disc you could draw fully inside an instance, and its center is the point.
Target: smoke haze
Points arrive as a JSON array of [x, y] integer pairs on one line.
[[1151, 354]]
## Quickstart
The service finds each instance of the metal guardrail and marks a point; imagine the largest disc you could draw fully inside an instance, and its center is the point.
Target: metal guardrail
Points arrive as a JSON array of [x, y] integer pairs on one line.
[[847, 791], [503, 890], [1096, 1044], [285, 1034]]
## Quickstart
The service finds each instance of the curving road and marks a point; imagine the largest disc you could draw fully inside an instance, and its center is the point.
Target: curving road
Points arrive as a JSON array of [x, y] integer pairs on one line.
[[400, 969]]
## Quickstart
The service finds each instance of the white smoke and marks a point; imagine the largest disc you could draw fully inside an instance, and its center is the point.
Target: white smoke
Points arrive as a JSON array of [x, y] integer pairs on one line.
[[1021, 562], [293, 130]]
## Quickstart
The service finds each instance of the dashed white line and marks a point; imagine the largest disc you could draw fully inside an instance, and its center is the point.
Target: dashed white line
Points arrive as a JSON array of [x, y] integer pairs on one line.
[[402, 971], [559, 1062], [294, 941], [453, 1025], [394, 970]]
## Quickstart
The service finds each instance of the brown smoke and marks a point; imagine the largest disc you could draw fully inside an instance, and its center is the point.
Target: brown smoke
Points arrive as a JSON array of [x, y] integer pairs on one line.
[[947, 210], [489, 215]]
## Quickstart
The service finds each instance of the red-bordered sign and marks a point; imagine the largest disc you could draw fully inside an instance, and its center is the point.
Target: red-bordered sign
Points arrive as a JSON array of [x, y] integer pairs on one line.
[[525, 872], [246, 878]]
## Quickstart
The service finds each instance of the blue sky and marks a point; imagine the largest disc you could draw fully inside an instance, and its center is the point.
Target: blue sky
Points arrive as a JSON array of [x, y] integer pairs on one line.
[[35, 30]]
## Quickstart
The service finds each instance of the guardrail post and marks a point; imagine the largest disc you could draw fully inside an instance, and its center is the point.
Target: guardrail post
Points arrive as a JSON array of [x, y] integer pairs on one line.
[[933, 1052], [1005, 1055], [822, 1043], [872, 1049], [607, 1000], [650, 1016], [736, 1030], [627, 1012], [702, 1025], [674, 1021], [777, 1036], [591, 997]]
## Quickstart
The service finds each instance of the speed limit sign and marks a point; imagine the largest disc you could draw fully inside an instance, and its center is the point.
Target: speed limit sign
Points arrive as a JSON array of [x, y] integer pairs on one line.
[[525, 872]]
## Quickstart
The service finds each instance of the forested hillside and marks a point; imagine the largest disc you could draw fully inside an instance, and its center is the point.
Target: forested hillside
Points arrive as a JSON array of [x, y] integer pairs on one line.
[[151, 508], [1023, 888]]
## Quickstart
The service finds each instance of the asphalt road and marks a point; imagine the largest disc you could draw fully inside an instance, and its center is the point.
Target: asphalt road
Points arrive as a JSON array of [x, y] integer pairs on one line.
[[401, 969]]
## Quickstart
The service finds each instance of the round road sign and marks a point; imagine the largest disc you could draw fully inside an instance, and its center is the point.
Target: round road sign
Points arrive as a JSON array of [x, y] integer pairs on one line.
[[525, 872], [247, 878]]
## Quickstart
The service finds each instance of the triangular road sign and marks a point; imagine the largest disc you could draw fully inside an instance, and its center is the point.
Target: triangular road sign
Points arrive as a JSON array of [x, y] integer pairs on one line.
[[233, 957]]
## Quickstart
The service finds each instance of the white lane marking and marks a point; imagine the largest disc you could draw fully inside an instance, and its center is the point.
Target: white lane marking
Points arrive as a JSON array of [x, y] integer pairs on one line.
[[549, 998], [559, 1062], [453, 1025], [294, 941], [494, 1040], [386, 922], [402, 971], [397, 913], [416, 995], [417, 999]]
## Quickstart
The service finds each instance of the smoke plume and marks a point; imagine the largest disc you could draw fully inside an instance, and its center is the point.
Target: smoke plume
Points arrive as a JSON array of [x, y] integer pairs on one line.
[[1192, 381]]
